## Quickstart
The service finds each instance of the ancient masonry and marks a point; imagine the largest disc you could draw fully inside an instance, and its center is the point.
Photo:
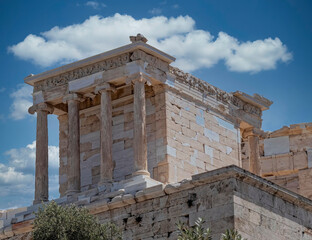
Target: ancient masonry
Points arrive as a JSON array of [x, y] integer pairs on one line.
[[145, 145]]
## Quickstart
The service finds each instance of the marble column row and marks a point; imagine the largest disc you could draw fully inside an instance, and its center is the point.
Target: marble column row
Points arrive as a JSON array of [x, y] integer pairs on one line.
[[106, 142]]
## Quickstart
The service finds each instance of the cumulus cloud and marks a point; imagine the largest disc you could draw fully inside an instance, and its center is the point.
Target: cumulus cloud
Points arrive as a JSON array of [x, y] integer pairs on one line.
[[17, 175], [22, 100], [178, 36], [10, 175], [24, 158], [268, 52]]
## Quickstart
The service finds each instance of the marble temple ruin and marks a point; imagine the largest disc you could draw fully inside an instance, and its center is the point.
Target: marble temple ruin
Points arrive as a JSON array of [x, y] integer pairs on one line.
[[139, 137]]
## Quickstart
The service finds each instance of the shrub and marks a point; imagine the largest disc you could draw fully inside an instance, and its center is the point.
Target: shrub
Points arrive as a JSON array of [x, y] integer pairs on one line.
[[193, 233], [197, 232], [54, 222], [231, 235]]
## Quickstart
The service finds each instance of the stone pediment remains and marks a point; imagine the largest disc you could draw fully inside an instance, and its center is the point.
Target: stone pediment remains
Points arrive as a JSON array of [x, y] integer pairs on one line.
[[141, 138]]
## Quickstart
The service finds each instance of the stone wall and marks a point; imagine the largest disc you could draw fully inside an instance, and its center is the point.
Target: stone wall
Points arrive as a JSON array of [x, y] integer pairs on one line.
[[225, 198], [198, 138], [286, 157], [122, 127], [184, 136]]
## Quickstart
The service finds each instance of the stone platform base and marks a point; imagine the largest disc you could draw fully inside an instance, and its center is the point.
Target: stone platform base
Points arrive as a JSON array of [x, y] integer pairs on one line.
[[135, 184], [225, 198]]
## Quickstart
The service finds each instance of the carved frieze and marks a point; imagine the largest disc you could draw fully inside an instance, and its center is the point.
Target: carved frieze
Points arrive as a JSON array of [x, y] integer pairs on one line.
[[82, 72], [154, 61], [209, 90], [104, 65]]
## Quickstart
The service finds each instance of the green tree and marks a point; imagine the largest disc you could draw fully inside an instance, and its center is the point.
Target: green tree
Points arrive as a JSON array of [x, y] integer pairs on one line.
[[231, 235], [54, 222], [196, 232]]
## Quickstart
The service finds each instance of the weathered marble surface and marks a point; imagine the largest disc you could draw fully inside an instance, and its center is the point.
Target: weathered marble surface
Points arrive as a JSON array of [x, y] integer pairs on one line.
[[285, 157], [225, 198]]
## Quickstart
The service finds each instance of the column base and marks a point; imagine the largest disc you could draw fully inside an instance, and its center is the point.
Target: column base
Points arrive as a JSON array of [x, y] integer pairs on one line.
[[105, 185], [135, 183], [71, 192], [141, 172], [40, 201]]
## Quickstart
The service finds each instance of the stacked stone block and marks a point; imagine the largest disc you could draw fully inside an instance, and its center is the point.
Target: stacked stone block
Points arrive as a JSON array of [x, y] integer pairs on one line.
[[199, 139], [286, 157], [225, 198]]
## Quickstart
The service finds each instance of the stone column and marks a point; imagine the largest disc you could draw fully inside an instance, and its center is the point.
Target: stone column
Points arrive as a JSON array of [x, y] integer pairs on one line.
[[140, 140], [42, 174], [63, 146], [73, 152], [253, 145], [107, 164]]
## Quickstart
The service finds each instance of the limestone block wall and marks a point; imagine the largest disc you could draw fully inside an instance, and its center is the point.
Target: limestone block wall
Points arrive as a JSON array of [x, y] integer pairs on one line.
[[222, 200], [122, 137], [225, 198], [122, 111], [286, 157], [156, 218], [7, 215], [263, 215], [198, 138], [184, 137]]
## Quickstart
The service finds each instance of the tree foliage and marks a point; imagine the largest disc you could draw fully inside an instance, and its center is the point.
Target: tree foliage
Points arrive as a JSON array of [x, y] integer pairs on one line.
[[193, 233], [54, 222], [231, 235], [198, 232]]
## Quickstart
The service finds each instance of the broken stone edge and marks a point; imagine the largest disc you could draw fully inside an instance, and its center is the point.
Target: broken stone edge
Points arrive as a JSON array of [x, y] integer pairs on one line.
[[97, 203]]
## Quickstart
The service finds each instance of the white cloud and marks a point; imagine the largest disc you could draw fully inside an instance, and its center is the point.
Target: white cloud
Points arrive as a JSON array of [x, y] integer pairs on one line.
[[155, 11], [193, 48], [17, 175], [258, 55], [9, 175], [22, 100], [24, 158], [95, 4]]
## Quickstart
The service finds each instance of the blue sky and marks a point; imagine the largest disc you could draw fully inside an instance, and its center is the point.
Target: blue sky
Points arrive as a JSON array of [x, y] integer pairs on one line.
[[256, 46]]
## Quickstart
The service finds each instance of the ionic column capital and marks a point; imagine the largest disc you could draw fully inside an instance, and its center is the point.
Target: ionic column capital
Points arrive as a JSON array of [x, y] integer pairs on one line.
[[139, 77], [73, 97], [252, 132], [41, 107], [105, 87]]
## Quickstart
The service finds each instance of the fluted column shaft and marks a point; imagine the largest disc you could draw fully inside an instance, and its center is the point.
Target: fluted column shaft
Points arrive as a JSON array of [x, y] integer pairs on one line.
[[140, 141], [73, 152], [254, 165], [252, 135], [107, 164], [41, 172]]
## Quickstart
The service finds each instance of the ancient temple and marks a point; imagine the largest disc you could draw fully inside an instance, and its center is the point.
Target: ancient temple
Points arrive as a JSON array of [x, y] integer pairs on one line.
[[138, 136], [128, 113]]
